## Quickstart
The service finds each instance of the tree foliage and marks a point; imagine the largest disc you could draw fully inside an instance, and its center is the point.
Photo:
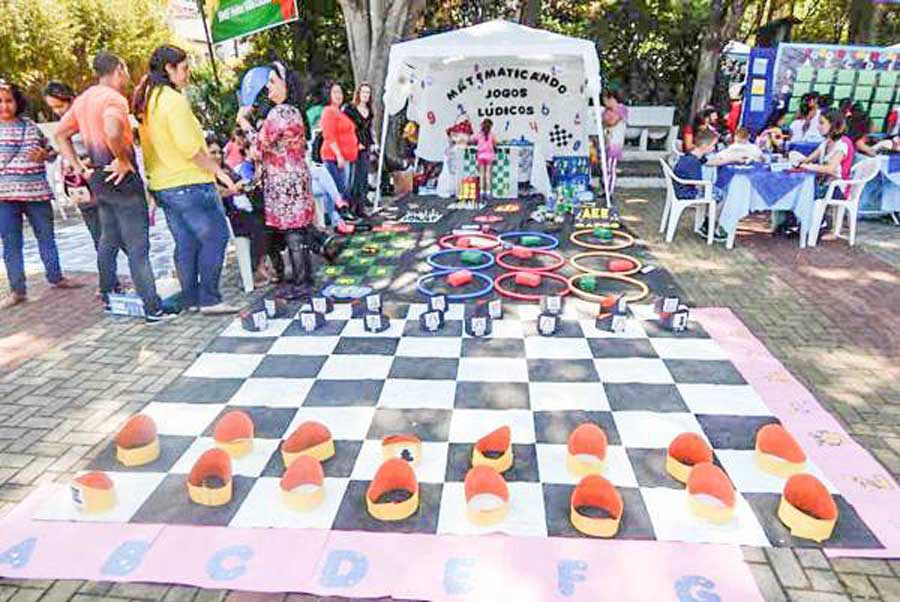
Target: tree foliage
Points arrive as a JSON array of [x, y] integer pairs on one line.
[[55, 39]]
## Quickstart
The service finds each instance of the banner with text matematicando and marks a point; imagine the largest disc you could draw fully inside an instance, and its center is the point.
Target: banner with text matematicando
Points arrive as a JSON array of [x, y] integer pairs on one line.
[[238, 18]]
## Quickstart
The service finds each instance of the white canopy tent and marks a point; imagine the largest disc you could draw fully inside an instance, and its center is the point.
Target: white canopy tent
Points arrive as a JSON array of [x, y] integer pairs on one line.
[[513, 53]]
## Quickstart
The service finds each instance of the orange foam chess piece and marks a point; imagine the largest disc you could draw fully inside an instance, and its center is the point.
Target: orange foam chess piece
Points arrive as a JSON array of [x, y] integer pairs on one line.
[[459, 278], [529, 279], [620, 265], [586, 450], [406, 447], [463, 242], [686, 451], [137, 443], [596, 492], [393, 476], [234, 433], [522, 252], [778, 453], [487, 496], [807, 508], [494, 450], [209, 482], [311, 438], [303, 484], [607, 303], [93, 492], [709, 481]]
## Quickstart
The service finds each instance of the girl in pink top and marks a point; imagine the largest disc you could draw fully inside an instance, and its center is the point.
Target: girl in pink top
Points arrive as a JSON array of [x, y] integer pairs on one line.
[[484, 155]]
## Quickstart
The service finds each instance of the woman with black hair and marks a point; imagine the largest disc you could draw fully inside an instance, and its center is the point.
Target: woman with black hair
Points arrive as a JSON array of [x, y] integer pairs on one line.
[[280, 150], [24, 192], [360, 113], [182, 174]]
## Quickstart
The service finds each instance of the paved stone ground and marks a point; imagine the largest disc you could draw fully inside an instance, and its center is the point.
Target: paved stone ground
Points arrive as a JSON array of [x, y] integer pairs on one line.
[[76, 375]]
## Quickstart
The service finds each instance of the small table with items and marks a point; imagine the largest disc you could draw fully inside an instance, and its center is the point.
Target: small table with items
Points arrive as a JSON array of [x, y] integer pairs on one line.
[[763, 187], [882, 194]]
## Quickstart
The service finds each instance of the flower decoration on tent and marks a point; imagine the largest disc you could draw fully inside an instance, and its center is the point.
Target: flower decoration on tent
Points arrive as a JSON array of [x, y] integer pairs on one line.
[[841, 54]]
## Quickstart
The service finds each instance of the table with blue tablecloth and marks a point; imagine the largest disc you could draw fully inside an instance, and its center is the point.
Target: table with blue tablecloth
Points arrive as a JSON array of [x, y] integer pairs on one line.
[[762, 187], [882, 194]]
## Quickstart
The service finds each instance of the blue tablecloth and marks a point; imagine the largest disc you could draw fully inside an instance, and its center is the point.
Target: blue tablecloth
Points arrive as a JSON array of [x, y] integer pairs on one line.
[[882, 194], [765, 189], [726, 172]]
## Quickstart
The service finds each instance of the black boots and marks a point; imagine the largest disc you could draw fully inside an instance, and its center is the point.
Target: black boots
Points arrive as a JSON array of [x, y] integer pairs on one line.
[[301, 263]]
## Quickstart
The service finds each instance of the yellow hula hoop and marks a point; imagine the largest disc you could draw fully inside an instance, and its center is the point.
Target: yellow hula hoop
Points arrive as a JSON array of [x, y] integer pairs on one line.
[[573, 261], [644, 290], [628, 240]]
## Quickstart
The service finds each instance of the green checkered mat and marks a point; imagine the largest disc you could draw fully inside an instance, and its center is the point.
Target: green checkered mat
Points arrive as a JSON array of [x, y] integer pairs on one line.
[[504, 176]]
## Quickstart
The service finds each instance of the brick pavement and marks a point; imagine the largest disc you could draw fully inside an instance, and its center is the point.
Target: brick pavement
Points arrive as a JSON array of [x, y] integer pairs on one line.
[[59, 406]]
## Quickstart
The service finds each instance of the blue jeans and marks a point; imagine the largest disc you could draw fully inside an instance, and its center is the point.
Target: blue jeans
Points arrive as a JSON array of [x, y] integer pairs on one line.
[[323, 187], [197, 221], [40, 216], [341, 177]]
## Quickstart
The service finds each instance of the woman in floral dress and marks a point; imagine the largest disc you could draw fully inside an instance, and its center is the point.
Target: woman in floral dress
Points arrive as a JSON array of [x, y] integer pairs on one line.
[[280, 149]]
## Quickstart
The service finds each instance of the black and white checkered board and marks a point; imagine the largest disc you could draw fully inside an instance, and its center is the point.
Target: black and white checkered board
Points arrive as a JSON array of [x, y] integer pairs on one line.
[[643, 386]]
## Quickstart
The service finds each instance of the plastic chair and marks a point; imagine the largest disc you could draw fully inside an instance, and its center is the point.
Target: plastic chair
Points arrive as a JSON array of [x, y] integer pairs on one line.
[[861, 174], [705, 205]]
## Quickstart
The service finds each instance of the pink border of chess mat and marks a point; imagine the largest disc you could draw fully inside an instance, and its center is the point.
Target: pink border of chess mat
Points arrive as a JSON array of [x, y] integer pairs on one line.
[[863, 482], [357, 564]]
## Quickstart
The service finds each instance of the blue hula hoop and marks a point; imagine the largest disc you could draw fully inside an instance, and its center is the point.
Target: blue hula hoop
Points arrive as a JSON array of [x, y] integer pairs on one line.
[[432, 260], [424, 290], [552, 243]]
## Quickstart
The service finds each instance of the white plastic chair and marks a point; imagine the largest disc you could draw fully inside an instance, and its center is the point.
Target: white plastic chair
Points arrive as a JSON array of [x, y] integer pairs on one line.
[[861, 174], [705, 205]]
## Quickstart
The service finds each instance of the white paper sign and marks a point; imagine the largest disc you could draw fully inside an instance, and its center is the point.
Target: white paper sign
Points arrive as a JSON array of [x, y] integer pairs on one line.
[[495, 309], [270, 307], [670, 304], [547, 325], [618, 323], [439, 302], [320, 305], [553, 304], [373, 322], [308, 322], [479, 326], [259, 320], [373, 302], [432, 321], [679, 321]]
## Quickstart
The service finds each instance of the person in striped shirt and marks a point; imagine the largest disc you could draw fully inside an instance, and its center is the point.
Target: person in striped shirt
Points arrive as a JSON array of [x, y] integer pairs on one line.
[[24, 192]]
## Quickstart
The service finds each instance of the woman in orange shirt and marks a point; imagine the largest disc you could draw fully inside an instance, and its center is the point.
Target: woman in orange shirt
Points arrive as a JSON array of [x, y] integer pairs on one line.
[[340, 146]]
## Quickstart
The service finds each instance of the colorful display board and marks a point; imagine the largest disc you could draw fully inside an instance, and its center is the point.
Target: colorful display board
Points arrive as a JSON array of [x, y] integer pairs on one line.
[[866, 74], [759, 97]]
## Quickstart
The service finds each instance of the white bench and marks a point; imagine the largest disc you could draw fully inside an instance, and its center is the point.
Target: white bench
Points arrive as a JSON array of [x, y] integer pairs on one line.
[[645, 123]]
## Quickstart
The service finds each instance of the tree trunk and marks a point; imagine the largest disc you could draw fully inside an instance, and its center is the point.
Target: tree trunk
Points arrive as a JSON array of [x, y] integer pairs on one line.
[[723, 25], [862, 21], [529, 12], [372, 26]]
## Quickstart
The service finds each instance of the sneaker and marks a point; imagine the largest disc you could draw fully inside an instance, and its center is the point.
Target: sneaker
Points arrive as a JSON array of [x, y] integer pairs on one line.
[[895, 217], [218, 309], [159, 315], [703, 232], [720, 235], [12, 300]]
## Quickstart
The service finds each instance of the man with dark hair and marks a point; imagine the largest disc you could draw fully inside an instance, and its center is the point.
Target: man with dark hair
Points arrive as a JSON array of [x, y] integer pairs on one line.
[[100, 114]]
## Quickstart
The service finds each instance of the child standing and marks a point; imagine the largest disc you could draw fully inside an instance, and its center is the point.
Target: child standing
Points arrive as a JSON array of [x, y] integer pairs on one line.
[[484, 155]]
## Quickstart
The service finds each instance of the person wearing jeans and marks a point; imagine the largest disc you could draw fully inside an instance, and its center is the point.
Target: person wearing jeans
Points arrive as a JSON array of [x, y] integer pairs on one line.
[[24, 192], [181, 175], [198, 224], [100, 115], [340, 146]]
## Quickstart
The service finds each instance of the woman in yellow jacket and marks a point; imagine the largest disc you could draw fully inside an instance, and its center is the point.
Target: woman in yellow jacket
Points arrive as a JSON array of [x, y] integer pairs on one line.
[[181, 175]]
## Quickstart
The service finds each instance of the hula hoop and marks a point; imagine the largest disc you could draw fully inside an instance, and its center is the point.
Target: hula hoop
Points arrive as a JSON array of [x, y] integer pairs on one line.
[[524, 296], [573, 261], [447, 242], [560, 262], [633, 298], [552, 241], [628, 240], [432, 260], [420, 285]]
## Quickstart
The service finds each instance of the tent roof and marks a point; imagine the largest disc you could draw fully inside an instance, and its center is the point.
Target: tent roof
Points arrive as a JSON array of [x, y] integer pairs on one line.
[[497, 39]]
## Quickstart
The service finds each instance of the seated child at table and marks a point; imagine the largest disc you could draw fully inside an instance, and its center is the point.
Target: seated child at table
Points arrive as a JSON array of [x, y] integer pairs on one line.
[[741, 150], [690, 167]]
